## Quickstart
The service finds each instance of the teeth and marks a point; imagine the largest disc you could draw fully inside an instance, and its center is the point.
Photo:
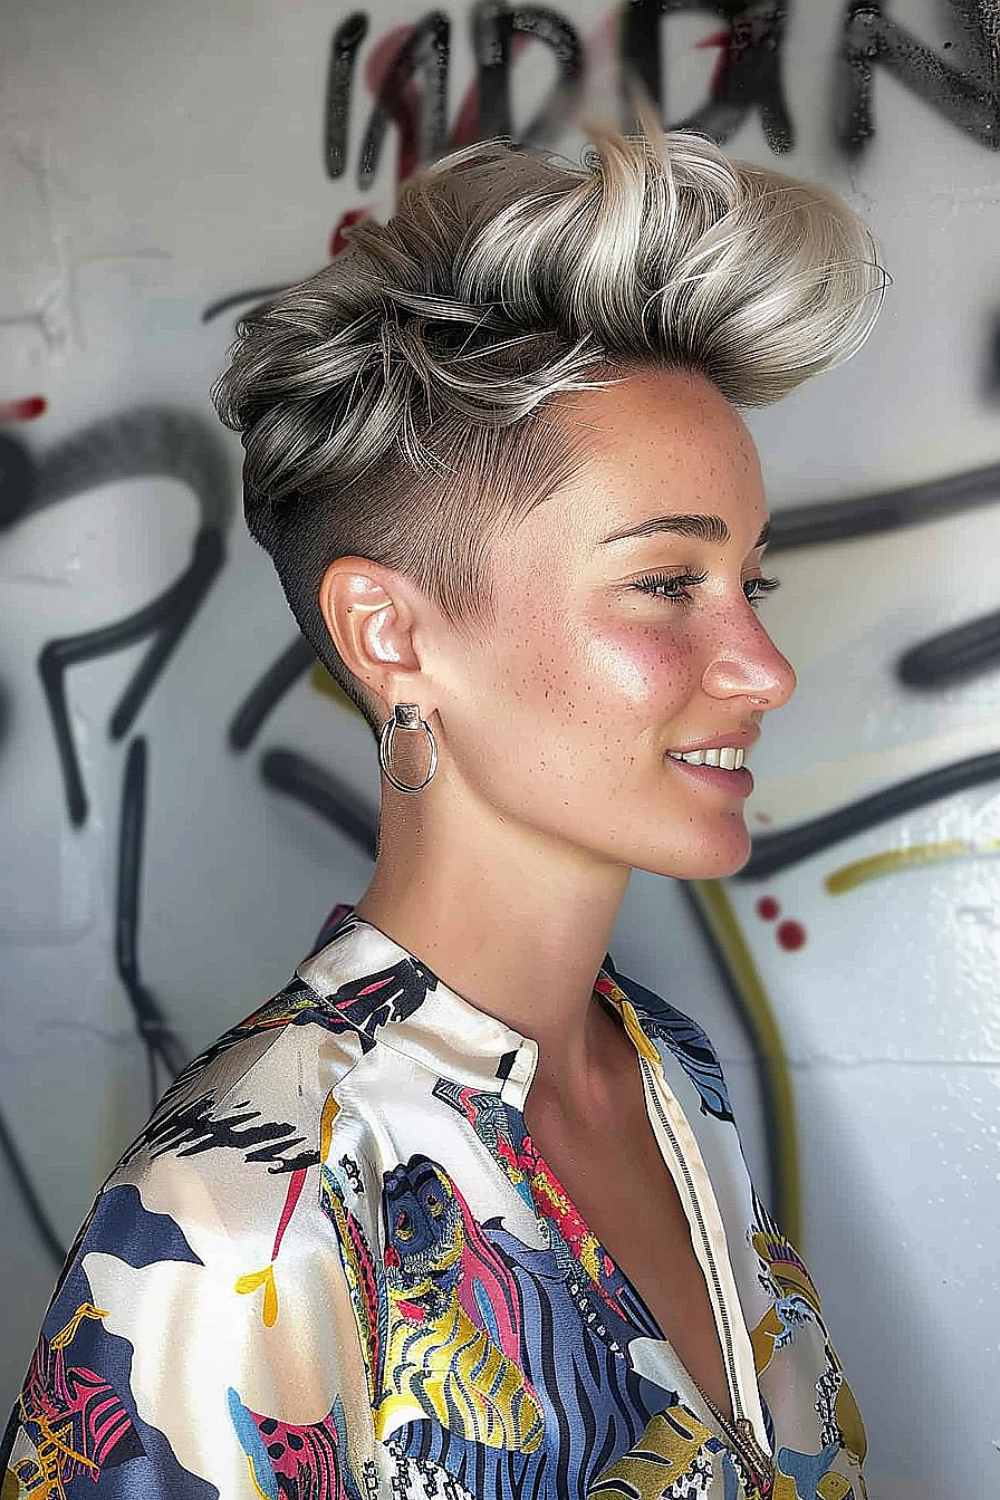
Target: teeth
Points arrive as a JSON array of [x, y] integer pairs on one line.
[[729, 758]]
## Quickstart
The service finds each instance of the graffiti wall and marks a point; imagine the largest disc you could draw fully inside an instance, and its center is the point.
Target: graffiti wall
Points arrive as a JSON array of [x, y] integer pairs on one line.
[[184, 795]]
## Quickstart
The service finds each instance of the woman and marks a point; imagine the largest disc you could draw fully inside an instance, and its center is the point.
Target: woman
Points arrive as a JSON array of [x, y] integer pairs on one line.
[[406, 1231]]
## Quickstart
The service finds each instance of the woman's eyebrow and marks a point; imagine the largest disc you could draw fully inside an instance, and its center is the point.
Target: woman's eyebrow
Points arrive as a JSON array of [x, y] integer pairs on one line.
[[703, 528]]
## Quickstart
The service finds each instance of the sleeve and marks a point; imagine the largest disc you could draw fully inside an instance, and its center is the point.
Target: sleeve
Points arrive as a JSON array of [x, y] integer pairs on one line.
[[201, 1343]]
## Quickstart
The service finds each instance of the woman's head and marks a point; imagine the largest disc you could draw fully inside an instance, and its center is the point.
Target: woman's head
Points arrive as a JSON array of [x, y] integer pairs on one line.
[[444, 423]]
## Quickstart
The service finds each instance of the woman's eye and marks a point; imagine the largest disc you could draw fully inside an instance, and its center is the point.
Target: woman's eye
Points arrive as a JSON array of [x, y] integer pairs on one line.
[[678, 585], [759, 586], [669, 585], [404, 1226], [434, 1206]]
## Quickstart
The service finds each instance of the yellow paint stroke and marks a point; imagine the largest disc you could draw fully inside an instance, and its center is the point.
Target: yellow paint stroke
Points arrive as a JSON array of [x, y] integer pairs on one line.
[[858, 871], [760, 1021], [264, 1278]]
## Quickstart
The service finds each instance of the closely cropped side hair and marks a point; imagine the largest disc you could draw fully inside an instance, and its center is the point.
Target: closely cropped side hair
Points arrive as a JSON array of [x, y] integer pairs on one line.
[[399, 405]]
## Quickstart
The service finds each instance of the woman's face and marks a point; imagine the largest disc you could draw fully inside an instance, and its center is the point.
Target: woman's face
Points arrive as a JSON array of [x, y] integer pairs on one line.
[[609, 653]]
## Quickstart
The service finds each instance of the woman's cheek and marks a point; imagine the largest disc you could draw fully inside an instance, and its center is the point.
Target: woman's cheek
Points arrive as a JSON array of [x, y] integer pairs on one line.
[[642, 666]]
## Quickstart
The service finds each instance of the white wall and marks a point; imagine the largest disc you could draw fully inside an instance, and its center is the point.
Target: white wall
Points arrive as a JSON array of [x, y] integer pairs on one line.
[[154, 159]]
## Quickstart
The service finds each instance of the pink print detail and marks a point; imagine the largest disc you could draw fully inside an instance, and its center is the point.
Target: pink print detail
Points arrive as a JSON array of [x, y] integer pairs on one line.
[[291, 1199]]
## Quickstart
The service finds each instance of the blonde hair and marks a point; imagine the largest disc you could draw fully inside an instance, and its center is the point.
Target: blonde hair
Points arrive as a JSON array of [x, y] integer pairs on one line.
[[398, 404]]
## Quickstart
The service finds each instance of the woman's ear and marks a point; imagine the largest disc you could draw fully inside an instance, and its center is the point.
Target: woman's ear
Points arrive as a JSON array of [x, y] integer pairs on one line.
[[368, 613]]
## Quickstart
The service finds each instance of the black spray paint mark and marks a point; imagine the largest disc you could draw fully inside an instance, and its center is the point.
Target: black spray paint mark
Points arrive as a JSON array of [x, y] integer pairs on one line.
[[421, 119], [886, 510], [494, 28], [776, 851], [425, 52], [29, 1197], [147, 442], [160, 1041], [954, 655], [748, 79], [991, 373], [339, 87], [282, 675], [969, 98], [311, 784], [17, 480], [935, 663], [253, 294]]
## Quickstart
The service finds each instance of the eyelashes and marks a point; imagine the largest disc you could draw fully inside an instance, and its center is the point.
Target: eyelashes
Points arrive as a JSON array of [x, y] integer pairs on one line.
[[677, 585]]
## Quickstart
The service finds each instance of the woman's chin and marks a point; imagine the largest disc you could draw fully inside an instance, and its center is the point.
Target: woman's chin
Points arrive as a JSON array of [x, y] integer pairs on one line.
[[709, 859]]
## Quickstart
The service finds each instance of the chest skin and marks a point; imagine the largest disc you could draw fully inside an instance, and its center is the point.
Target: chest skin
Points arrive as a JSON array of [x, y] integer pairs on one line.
[[610, 1165]]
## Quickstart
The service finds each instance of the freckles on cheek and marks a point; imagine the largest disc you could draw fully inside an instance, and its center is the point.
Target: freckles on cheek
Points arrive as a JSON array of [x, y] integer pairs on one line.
[[648, 668]]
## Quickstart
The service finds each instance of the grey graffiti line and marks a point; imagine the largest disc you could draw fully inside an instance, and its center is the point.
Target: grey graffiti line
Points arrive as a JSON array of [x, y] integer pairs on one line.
[[160, 1041], [263, 697], [316, 788], [969, 98], [776, 851], [146, 442]]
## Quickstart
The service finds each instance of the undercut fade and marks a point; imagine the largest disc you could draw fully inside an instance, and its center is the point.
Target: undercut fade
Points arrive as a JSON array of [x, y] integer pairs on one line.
[[400, 405]]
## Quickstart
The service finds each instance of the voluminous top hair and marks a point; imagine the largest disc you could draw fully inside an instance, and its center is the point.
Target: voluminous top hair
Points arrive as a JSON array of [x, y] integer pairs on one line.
[[398, 404]]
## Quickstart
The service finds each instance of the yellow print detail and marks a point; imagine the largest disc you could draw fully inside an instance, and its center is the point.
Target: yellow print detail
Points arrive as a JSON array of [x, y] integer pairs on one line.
[[674, 1447]]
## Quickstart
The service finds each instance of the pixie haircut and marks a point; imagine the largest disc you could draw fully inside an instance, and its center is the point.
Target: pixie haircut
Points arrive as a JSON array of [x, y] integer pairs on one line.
[[398, 405]]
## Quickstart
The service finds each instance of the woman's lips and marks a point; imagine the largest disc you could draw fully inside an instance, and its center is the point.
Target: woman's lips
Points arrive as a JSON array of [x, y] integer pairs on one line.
[[736, 783]]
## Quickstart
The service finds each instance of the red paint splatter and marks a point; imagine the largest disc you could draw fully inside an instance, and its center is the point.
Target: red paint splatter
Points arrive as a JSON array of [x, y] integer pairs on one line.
[[767, 908], [791, 935], [24, 410], [351, 216], [728, 47]]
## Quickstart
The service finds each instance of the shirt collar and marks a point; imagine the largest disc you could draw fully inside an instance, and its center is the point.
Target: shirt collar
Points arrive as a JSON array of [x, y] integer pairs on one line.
[[388, 994]]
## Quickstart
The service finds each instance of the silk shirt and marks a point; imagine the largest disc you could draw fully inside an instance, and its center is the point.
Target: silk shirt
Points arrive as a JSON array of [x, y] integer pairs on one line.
[[334, 1266]]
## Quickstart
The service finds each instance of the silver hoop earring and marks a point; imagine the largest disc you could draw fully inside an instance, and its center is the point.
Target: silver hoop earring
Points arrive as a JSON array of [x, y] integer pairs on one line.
[[405, 716]]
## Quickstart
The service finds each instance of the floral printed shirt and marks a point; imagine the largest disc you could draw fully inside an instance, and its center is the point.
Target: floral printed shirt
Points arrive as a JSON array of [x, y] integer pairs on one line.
[[334, 1266]]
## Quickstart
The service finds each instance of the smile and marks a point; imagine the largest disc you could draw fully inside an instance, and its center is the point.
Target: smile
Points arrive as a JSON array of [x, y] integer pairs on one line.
[[728, 758], [736, 782]]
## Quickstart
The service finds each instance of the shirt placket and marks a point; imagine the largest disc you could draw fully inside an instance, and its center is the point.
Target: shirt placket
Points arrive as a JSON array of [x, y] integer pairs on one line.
[[683, 1158]]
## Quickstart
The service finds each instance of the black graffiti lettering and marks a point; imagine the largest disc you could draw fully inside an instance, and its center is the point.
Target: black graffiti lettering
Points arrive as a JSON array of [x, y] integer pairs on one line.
[[936, 663], [970, 100], [265, 694], [169, 615], [160, 1041], [145, 442], [17, 480], [494, 26], [953, 656], [311, 784], [775, 851], [426, 51], [750, 76], [887, 510], [233, 299], [33, 1205], [339, 86]]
